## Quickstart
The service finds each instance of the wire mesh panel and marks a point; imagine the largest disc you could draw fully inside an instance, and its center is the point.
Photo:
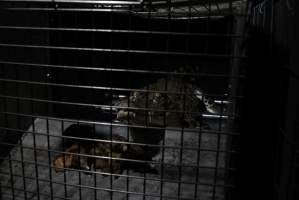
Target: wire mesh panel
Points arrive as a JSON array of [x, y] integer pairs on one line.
[[120, 99]]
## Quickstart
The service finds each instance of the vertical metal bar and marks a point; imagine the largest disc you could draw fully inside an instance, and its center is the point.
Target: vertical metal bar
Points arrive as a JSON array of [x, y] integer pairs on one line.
[[47, 76], [94, 161], [93, 41], [163, 139], [128, 139], [111, 99], [9, 155], [165, 103], [146, 124], [6, 134], [11, 176], [49, 154], [64, 170], [199, 133], [128, 99], [182, 141], [78, 78], [34, 136], [56, 18], [19, 127], [111, 126], [198, 158], [148, 111], [79, 175], [187, 50], [47, 89], [217, 155]]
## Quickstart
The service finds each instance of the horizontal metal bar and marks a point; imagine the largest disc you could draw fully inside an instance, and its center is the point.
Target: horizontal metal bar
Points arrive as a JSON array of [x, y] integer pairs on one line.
[[114, 108], [118, 69], [175, 15], [27, 191], [60, 9], [221, 102], [85, 155], [109, 89], [104, 50], [115, 142], [88, 187], [113, 89], [180, 3], [115, 158], [97, 30], [192, 3], [126, 175], [105, 189], [109, 2], [186, 130]]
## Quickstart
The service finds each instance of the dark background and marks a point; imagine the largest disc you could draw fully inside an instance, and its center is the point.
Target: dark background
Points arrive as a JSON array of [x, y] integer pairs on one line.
[[270, 123]]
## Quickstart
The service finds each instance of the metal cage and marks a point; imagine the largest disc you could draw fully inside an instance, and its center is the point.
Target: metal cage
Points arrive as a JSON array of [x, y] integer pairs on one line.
[[136, 99]]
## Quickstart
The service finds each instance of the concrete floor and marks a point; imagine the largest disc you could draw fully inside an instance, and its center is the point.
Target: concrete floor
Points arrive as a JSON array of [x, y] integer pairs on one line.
[[66, 185]]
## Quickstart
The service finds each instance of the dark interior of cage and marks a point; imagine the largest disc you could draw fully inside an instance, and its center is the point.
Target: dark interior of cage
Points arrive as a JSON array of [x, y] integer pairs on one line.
[[191, 162]]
